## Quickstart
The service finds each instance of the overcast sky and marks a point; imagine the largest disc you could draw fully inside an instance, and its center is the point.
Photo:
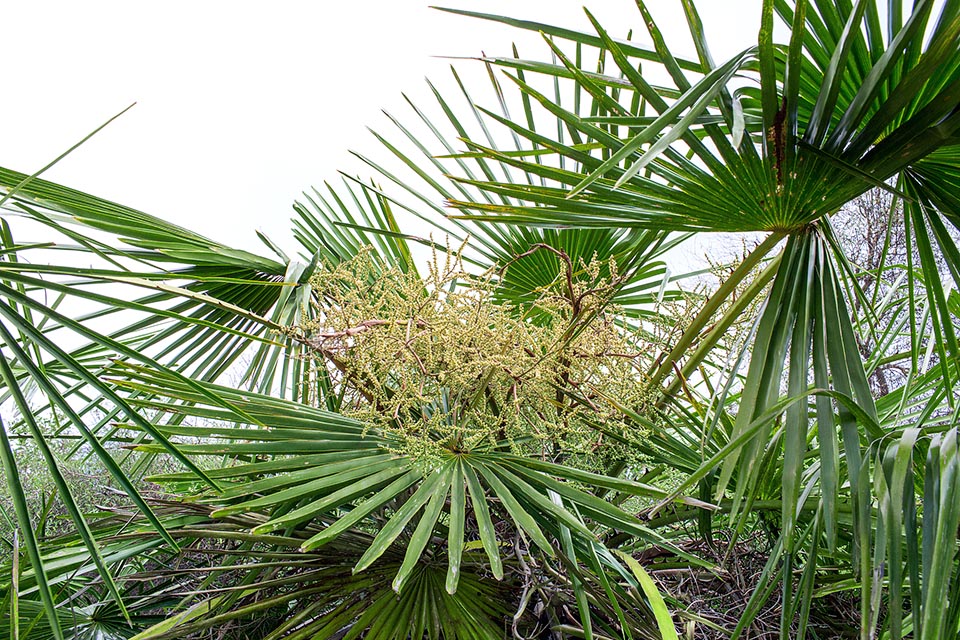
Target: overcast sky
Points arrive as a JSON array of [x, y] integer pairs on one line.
[[243, 105]]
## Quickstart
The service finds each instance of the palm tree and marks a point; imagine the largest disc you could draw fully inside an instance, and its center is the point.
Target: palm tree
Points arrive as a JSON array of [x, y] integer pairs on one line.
[[619, 151]]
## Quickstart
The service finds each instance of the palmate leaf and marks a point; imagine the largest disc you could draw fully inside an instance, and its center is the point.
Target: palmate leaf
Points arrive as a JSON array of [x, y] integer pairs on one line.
[[330, 602], [134, 227], [95, 614], [806, 327], [336, 472], [283, 593], [911, 488], [27, 531], [817, 480], [212, 293], [223, 296], [186, 301], [422, 173], [771, 181], [327, 224]]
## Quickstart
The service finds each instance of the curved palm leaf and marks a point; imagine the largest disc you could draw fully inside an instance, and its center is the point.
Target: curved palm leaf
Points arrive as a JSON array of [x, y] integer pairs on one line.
[[325, 474]]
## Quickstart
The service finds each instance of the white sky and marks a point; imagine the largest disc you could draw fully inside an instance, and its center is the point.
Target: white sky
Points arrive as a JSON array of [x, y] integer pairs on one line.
[[243, 105]]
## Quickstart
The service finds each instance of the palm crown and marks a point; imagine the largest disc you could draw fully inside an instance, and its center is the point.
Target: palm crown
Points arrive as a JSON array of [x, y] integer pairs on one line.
[[565, 212]]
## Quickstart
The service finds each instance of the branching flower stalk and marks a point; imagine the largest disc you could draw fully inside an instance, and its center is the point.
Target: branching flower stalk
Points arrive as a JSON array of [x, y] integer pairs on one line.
[[441, 365]]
